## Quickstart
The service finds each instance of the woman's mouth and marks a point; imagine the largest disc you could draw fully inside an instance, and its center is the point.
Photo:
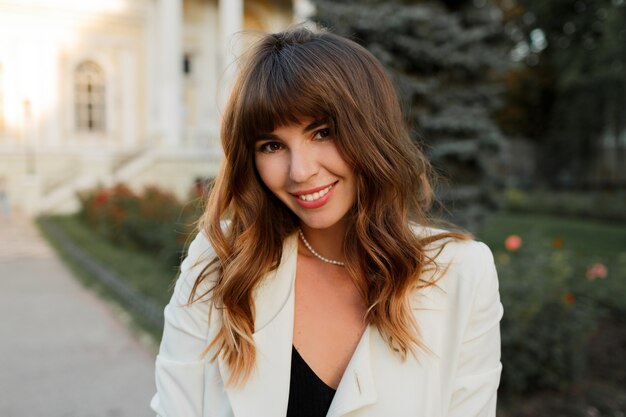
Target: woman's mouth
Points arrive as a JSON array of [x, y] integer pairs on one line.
[[317, 195], [316, 198]]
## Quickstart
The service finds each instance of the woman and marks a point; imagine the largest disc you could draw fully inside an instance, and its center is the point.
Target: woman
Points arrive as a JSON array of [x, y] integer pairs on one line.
[[315, 287]]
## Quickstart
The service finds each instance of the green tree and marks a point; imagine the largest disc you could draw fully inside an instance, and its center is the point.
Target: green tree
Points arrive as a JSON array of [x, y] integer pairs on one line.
[[446, 58], [584, 53]]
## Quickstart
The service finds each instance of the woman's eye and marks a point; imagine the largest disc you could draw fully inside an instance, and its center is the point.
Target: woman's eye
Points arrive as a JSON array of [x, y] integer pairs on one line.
[[322, 133], [270, 147]]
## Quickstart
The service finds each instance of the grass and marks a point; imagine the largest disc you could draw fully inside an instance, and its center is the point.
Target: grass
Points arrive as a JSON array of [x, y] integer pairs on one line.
[[141, 271], [589, 238], [604, 205], [591, 241]]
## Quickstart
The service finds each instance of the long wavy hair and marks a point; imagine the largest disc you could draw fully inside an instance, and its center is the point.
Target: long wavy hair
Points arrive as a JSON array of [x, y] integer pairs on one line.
[[284, 77]]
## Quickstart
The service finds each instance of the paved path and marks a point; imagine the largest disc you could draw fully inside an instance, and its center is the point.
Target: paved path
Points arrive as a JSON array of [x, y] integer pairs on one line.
[[63, 352]]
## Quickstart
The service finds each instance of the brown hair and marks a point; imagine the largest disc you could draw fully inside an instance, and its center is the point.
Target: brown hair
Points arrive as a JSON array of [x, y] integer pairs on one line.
[[284, 77]]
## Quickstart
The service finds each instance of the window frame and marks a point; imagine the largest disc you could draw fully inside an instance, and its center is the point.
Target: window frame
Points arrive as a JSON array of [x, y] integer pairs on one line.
[[89, 94]]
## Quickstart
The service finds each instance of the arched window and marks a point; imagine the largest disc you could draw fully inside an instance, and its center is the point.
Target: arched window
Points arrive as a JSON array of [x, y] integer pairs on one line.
[[89, 97]]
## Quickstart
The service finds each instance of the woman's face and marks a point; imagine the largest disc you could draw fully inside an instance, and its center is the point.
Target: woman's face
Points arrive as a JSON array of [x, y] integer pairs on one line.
[[301, 165]]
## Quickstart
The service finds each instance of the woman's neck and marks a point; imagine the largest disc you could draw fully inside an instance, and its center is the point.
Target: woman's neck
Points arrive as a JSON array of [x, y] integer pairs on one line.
[[327, 242]]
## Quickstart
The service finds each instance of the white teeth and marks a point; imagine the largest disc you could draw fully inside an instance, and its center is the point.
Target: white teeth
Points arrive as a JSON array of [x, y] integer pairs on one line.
[[315, 195]]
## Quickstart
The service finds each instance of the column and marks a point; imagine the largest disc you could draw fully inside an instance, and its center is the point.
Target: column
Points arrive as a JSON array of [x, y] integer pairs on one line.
[[50, 92], [129, 98], [151, 71], [12, 91], [302, 12], [170, 35], [209, 71], [230, 15]]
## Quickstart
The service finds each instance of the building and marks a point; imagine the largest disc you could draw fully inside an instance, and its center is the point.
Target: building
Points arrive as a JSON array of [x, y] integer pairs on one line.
[[104, 91]]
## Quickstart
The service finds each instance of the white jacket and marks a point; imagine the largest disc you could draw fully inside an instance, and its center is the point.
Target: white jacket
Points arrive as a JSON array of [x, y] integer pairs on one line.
[[458, 319]]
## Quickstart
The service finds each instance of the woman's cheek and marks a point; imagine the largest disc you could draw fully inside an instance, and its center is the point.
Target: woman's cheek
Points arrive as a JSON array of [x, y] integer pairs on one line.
[[270, 171]]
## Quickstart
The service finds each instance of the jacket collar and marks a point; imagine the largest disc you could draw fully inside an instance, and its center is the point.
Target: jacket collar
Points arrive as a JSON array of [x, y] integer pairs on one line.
[[356, 388], [266, 392]]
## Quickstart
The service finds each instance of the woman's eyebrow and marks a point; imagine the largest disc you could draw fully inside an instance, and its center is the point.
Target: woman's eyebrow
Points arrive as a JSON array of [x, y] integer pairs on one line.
[[315, 124], [311, 126], [266, 136]]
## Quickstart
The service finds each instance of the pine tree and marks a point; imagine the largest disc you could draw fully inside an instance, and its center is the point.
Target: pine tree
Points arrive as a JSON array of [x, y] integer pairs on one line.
[[445, 59]]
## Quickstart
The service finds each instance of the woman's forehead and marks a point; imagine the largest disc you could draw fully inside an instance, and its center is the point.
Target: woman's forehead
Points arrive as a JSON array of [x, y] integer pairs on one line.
[[308, 122]]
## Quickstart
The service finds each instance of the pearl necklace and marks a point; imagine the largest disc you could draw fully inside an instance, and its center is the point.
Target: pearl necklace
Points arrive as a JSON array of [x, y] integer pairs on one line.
[[317, 255]]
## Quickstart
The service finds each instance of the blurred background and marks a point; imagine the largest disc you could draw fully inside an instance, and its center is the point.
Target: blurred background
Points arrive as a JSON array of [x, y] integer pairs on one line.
[[109, 141]]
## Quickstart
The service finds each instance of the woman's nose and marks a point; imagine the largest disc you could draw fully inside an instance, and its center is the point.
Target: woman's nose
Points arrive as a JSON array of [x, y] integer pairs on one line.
[[304, 165]]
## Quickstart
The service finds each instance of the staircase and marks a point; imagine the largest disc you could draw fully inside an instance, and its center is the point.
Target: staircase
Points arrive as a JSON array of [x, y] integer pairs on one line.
[[62, 197]]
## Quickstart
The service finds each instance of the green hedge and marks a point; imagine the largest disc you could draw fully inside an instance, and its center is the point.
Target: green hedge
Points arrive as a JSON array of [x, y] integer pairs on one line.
[[547, 322], [601, 205], [154, 221]]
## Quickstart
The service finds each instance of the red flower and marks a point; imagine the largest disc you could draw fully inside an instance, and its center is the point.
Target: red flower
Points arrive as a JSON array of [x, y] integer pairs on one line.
[[596, 271], [513, 243], [101, 198], [569, 298]]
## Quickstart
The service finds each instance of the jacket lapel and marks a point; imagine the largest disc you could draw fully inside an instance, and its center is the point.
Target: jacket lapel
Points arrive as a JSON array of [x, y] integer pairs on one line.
[[356, 388], [266, 392]]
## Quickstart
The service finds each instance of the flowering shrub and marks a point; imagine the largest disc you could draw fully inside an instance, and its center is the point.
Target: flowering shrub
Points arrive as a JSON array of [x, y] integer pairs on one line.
[[108, 210], [154, 221], [604, 282], [547, 321]]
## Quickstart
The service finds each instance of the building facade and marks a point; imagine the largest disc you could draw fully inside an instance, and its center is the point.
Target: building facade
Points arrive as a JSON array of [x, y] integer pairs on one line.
[[105, 91]]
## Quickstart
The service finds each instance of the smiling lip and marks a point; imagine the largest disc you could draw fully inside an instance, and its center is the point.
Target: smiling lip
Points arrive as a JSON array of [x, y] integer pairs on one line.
[[315, 203], [312, 190]]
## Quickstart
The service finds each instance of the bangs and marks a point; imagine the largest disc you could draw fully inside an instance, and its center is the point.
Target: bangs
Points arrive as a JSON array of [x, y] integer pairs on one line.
[[283, 87]]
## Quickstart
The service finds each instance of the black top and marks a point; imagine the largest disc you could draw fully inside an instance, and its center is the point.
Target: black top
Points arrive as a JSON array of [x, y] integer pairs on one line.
[[309, 396]]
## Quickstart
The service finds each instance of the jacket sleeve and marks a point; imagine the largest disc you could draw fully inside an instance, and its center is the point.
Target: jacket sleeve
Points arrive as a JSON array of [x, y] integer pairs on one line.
[[179, 369], [475, 385]]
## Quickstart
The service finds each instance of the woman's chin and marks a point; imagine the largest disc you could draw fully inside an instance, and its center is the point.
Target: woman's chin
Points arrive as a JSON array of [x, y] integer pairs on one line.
[[320, 223]]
